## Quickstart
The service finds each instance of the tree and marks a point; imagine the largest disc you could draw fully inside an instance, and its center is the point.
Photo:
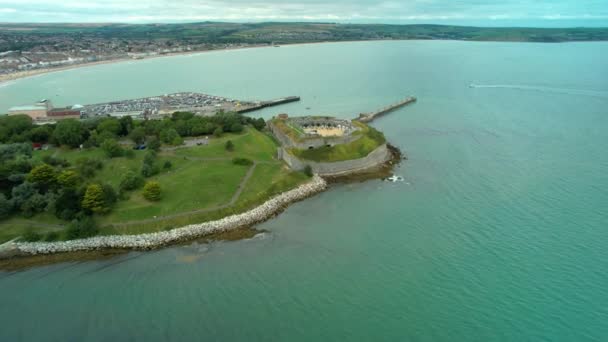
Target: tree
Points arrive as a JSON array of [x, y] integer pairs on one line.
[[229, 146], [177, 141], [236, 127], [109, 195], [94, 199], [112, 148], [182, 128], [82, 228], [41, 134], [258, 123], [154, 144], [6, 207], [218, 132], [138, 135], [152, 191], [68, 179], [69, 132], [13, 126], [87, 166], [36, 203], [68, 203], [110, 125], [131, 181], [168, 135], [149, 167], [308, 170], [43, 174], [126, 125], [167, 165], [21, 193]]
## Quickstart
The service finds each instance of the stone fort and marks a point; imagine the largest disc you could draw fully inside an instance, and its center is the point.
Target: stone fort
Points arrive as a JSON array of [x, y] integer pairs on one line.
[[308, 132]]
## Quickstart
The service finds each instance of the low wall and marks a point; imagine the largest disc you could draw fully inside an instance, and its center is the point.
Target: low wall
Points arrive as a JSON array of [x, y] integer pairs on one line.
[[154, 240], [377, 157]]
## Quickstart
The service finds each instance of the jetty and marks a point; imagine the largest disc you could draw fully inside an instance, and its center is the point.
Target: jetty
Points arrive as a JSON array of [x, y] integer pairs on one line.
[[368, 117], [264, 104]]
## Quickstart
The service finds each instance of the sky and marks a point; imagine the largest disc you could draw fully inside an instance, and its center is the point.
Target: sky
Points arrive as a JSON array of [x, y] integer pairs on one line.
[[482, 12]]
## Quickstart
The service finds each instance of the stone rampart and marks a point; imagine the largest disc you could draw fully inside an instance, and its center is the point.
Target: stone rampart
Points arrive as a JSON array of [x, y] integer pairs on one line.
[[377, 157]]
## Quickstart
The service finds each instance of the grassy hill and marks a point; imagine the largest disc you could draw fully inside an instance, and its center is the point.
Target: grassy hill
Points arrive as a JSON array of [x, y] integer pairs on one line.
[[202, 184]]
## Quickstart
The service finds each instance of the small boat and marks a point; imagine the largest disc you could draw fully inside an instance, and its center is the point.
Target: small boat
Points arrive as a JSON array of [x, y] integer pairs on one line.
[[395, 179]]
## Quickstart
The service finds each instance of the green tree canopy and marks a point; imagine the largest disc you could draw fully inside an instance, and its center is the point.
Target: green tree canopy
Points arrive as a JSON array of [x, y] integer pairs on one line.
[[110, 125], [68, 179], [138, 135], [94, 199], [152, 191], [69, 132], [43, 174], [112, 148]]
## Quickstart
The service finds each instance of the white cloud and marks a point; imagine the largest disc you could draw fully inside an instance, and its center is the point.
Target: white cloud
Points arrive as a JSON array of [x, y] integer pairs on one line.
[[259, 10]]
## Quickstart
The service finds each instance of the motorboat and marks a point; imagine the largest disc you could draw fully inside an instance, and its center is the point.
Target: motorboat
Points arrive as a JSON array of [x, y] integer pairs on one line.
[[395, 178]]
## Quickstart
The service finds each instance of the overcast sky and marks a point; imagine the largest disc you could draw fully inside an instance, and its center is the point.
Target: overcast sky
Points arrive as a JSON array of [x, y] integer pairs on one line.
[[436, 11]]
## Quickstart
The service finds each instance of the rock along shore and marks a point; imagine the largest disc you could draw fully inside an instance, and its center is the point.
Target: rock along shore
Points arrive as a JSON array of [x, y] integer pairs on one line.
[[155, 240]]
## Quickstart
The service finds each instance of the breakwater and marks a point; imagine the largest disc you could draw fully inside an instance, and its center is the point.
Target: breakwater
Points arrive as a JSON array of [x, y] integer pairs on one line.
[[265, 104], [368, 117], [155, 240]]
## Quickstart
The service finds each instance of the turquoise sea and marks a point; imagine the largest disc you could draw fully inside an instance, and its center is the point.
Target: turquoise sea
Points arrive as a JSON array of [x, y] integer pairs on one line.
[[499, 232]]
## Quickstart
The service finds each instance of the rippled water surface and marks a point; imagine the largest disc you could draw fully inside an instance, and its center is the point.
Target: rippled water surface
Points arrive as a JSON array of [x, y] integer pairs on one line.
[[499, 232]]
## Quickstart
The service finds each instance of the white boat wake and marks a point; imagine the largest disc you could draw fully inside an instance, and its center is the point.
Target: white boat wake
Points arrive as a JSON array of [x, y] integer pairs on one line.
[[568, 91]]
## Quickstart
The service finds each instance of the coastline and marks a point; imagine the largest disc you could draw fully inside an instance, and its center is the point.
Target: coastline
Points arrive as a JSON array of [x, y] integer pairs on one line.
[[150, 241], [31, 73]]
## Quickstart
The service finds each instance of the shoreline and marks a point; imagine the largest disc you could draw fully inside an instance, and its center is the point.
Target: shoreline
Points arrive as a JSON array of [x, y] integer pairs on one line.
[[31, 73], [149, 241], [37, 72], [21, 255]]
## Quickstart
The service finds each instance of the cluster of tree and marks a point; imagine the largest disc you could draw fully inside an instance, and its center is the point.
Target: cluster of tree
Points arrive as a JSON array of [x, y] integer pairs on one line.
[[105, 132], [53, 185]]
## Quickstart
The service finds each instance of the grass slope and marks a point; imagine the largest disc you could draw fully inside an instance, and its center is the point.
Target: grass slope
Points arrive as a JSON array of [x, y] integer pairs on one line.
[[202, 177]]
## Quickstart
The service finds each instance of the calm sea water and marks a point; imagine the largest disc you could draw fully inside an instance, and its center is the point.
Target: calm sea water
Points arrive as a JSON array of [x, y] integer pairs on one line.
[[499, 233]]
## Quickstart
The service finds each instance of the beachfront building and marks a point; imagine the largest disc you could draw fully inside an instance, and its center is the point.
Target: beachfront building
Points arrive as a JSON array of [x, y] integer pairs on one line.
[[36, 111], [43, 112]]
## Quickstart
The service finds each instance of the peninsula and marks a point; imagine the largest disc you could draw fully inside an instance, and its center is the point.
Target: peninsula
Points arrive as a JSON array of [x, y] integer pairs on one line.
[[131, 181]]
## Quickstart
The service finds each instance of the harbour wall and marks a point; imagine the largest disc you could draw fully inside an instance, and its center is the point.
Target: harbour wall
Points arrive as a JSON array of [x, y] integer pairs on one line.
[[376, 158]]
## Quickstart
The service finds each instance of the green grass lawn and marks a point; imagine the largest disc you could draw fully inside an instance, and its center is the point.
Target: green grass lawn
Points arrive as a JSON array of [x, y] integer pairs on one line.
[[251, 144], [369, 141], [194, 186], [16, 226], [267, 181], [191, 184]]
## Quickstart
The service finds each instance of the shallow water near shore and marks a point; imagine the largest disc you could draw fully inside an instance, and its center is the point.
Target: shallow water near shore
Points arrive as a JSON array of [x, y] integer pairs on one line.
[[498, 232]]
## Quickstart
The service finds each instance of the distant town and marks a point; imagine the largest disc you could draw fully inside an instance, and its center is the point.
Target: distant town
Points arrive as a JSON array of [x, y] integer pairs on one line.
[[29, 47]]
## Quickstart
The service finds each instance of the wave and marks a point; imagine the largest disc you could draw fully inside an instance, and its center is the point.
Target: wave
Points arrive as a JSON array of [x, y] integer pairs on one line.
[[568, 91]]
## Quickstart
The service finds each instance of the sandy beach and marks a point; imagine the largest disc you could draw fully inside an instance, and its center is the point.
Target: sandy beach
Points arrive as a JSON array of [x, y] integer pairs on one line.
[[31, 73]]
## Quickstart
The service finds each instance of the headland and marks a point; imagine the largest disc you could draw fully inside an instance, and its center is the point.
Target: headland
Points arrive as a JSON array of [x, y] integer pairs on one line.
[[218, 167]]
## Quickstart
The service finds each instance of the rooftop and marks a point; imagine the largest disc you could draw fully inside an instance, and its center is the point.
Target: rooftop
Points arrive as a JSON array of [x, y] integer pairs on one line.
[[26, 108]]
